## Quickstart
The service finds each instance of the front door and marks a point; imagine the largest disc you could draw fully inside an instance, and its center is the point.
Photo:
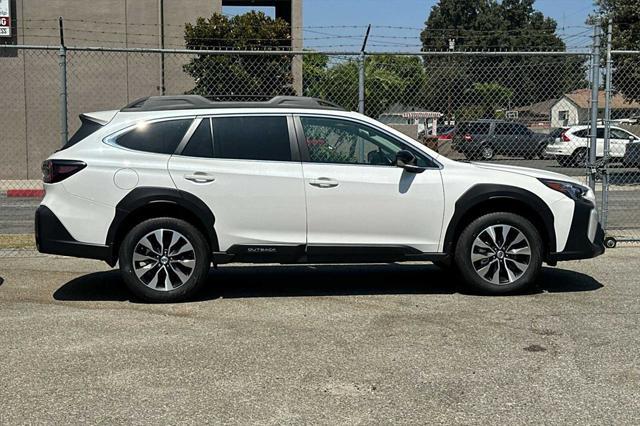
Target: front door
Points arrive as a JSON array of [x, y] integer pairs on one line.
[[242, 167], [357, 196]]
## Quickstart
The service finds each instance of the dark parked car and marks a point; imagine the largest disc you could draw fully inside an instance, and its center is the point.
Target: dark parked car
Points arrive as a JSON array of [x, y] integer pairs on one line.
[[632, 154], [484, 139]]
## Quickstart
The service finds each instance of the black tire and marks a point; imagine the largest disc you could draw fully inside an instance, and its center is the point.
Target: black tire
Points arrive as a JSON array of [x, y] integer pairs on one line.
[[174, 270], [486, 152], [523, 278], [579, 158]]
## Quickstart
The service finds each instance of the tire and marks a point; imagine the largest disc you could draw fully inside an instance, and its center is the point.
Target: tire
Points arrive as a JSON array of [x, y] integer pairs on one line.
[[175, 250], [486, 152], [497, 271], [578, 158]]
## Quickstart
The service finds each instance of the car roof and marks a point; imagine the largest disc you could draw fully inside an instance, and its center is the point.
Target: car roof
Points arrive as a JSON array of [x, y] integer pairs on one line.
[[189, 102]]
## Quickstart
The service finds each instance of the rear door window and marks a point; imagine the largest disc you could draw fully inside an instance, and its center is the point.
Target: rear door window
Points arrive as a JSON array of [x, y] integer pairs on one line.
[[477, 128], [161, 137], [252, 138]]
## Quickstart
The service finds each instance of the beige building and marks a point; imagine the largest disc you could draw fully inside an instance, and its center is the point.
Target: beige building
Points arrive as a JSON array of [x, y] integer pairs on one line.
[[30, 123]]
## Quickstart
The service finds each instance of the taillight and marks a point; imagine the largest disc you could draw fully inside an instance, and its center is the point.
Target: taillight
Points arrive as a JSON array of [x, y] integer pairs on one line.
[[564, 137], [446, 137], [468, 137], [57, 170]]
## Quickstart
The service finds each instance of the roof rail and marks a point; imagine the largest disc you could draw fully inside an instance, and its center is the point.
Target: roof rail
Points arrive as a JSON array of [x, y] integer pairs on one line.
[[164, 103]]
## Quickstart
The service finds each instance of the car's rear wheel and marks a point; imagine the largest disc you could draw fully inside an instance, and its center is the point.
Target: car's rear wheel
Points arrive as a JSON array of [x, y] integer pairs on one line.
[[164, 260], [579, 157], [486, 152], [499, 253]]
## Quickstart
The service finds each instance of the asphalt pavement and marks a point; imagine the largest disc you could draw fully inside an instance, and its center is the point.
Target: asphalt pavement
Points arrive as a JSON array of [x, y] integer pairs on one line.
[[376, 344]]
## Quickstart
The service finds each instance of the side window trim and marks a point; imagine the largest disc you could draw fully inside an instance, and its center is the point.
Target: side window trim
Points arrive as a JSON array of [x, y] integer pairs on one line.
[[187, 136], [304, 150]]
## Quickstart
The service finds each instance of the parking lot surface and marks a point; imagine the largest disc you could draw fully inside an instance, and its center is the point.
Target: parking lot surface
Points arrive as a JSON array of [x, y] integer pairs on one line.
[[321, 344]]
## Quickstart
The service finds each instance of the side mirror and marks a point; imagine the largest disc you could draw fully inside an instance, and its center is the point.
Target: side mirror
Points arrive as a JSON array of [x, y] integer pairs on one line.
[[408, 161]]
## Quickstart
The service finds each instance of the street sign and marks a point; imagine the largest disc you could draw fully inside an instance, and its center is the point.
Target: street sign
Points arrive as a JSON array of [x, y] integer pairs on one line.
[[5, 18]]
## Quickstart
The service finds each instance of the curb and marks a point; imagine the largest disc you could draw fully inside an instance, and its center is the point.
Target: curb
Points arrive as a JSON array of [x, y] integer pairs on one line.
[[25, 193]]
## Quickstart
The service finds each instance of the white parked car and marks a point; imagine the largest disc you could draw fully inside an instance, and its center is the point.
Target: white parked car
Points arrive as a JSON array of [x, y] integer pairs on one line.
[[571, 148], [169, 185]]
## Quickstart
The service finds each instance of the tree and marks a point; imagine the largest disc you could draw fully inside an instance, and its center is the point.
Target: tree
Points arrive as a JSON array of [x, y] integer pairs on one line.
[[240, 77], [480, 25], [389, 80], [625, 18]]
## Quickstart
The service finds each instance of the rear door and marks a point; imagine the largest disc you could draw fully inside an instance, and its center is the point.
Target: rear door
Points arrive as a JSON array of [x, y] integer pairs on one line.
[[244, 169]]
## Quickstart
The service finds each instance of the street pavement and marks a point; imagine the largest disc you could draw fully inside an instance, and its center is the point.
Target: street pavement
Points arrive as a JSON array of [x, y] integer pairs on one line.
[[378, 344]]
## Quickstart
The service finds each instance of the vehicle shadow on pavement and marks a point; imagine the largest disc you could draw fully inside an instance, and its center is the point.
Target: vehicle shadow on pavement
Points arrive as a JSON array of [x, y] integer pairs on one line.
[[318, 280]]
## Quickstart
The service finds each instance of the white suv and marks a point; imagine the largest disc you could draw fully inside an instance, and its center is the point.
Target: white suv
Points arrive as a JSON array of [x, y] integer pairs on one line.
[[169, 185], [571, 148]]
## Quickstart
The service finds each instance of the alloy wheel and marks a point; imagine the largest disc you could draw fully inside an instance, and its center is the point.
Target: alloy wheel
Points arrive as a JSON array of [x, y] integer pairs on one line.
[[501, 254], [164, 259]]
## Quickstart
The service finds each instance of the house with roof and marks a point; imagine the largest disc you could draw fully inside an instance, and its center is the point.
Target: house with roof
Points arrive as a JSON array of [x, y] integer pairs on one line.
[[574, 108]]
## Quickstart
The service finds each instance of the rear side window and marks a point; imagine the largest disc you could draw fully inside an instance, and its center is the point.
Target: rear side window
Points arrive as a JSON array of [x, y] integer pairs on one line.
[[161, 137], [87, 128], [581, 133], [476, 128], [200, 144], [251, 138]]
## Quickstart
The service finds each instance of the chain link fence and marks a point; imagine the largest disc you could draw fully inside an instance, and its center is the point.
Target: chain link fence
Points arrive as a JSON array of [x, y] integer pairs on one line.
[[530, 109]]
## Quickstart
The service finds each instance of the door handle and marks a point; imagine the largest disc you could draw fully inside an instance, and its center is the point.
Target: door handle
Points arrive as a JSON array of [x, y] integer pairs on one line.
[[323, 182], [200, 177]]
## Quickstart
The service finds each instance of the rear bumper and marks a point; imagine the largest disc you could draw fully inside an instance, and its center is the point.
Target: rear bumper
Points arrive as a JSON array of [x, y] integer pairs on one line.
[[586, 237], [53, 238]]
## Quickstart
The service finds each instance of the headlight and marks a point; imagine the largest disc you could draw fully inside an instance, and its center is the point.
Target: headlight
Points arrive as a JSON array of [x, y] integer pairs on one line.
[[570, 189]]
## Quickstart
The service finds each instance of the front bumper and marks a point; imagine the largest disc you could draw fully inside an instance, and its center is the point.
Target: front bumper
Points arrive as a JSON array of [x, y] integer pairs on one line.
[[53, 238], [586, 237]]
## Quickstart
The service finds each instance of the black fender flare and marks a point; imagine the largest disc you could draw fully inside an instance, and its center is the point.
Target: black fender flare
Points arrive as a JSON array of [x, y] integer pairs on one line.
[[482, 193], [145, 196]]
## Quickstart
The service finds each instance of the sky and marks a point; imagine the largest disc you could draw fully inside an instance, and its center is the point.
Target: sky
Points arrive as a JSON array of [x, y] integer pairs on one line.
[[344, 22]]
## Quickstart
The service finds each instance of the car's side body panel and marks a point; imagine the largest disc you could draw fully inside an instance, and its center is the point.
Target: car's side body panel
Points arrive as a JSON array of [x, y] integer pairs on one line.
[[254, 208]]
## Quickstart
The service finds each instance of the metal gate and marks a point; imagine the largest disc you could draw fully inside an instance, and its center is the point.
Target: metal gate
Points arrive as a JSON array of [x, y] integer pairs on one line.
[[619, 167]]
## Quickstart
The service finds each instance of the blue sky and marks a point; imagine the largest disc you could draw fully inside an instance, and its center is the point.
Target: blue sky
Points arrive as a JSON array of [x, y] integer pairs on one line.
[[570, 15]]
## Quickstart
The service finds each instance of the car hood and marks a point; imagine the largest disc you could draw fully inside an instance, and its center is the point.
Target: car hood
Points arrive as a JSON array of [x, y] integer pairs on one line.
[[527, 171]]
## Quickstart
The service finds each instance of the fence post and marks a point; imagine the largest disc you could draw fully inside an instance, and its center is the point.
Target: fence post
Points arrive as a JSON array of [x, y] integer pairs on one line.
[[595, 86], [361, 72], [62, 62], [607, 131], [361, 83]]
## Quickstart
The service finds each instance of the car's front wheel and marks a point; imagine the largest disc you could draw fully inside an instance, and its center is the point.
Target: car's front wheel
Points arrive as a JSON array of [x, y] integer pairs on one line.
[[164, 260], [499, 253]]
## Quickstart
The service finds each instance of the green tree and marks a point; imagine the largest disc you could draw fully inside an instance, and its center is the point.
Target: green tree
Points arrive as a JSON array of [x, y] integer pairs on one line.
[[625, 18], [239, 77], [510, 25], [389, 80]]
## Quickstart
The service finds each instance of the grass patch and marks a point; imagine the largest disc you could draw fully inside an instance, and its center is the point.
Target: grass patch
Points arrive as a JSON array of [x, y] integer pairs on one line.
[[17, 241]]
